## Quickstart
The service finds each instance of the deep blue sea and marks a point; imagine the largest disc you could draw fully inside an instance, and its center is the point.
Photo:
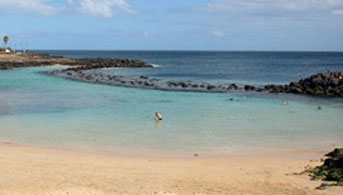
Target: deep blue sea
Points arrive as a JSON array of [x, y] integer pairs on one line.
[[49, 111]]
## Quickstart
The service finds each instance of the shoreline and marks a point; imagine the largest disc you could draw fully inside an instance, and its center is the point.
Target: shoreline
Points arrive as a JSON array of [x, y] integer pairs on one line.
[[34, 59], [296, 152], [39, 170]]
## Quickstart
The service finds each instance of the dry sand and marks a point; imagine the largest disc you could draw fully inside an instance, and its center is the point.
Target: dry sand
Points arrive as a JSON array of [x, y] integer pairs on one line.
[[34, 170]]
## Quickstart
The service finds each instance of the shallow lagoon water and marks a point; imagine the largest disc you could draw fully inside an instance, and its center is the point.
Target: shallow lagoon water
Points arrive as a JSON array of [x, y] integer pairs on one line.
[[43, 110]]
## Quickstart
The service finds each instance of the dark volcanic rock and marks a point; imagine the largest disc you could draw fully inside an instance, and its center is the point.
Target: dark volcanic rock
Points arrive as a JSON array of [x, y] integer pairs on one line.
[[87, 64], [323, 84], [183, 84], [249, 88], [337, 153], [210, 87], [330, 170], [232, 87]]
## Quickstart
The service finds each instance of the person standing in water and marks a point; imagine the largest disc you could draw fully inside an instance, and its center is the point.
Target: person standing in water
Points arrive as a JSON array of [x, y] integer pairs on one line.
[[158, 116]]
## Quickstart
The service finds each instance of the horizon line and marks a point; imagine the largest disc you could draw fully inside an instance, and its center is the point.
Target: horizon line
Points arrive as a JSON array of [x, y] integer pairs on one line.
[[184, 50]]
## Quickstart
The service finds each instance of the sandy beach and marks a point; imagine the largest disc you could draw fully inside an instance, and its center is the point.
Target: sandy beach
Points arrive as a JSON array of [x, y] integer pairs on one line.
[[36, 170], [97, 139]]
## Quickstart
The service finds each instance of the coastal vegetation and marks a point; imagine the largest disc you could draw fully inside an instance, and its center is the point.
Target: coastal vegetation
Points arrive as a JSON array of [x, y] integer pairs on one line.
[[5, 49], [6, 39], [330, 171]]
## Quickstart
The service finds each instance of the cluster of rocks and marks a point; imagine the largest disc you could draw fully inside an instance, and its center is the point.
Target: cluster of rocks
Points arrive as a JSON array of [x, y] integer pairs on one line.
[[323, 84], [331, 170], [96, 63], [89, 75], [202, 86], [33, 59]]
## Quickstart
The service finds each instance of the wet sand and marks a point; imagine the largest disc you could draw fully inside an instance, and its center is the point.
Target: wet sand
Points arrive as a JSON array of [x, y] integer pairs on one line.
[[37, 170]]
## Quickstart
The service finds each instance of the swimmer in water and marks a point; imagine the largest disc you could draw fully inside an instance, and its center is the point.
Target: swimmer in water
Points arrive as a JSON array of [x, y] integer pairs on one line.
[[158, 116], [285, 102]]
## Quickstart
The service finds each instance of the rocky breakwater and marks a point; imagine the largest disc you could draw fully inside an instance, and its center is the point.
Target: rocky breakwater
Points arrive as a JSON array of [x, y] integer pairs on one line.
[[95, 75], [323, 84], [97, 63]]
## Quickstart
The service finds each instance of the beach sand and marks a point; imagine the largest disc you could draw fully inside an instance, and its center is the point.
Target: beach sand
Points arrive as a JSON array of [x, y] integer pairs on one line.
[[37, 170]]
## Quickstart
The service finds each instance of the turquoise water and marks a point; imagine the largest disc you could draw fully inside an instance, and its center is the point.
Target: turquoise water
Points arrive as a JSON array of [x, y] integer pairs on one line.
[[37, 109]]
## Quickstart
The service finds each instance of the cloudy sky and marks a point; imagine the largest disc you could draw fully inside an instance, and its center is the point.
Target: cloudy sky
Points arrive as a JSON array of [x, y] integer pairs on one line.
[[174, 25]]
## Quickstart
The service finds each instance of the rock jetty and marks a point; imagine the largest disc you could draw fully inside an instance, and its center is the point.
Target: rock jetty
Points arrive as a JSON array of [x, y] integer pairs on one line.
[[328, 84], [89, 75], [322, 84]]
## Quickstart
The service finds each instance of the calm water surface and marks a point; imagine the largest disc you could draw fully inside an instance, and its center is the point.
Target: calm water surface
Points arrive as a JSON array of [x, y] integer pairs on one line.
[[37, 109]]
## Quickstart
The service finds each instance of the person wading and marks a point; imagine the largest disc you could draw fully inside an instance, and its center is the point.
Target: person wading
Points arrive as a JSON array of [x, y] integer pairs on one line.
[[158, 116]]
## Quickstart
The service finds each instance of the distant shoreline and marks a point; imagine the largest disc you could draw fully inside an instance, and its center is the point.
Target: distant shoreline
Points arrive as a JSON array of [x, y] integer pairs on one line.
[[173, 50], [34, 59]]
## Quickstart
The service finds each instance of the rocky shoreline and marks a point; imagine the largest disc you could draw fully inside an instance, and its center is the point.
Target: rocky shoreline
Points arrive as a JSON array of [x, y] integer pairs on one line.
[[330, 171], [328, 84], [33, 59], [322, 84]]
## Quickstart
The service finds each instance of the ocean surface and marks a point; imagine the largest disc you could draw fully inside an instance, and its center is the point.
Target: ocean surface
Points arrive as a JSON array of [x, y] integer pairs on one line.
[[42, 110], [239, 67]]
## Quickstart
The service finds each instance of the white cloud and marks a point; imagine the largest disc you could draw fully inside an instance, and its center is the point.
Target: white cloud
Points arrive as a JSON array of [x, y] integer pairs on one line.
[[37, 6], [104, 8], [218, 33], [273, 6]]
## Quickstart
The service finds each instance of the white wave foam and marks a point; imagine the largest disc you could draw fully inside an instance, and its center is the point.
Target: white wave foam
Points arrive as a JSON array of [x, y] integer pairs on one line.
[[156, 65]]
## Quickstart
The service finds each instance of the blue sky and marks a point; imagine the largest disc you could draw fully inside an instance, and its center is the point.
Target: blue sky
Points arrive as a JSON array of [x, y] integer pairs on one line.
[[311, 25]]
